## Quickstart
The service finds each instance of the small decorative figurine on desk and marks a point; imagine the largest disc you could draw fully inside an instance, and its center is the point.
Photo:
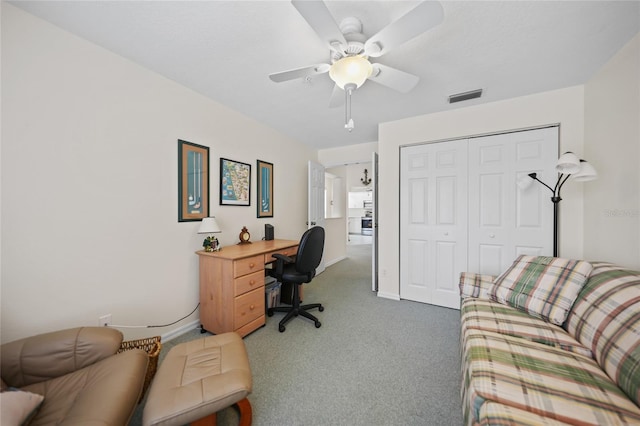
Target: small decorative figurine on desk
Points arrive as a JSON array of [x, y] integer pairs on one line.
[[244, 236], [211, 244]]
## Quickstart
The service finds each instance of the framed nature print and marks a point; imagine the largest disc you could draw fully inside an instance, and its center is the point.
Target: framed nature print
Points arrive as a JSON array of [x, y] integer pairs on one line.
[[235, 183], [265, 189], [193, 181]]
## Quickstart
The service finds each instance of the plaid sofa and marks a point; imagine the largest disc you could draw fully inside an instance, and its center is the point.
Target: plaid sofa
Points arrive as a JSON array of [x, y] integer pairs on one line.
[[521, 369]]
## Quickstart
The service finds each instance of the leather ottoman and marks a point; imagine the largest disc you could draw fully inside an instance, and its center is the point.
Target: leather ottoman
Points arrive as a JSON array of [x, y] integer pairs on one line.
[[199, 378]]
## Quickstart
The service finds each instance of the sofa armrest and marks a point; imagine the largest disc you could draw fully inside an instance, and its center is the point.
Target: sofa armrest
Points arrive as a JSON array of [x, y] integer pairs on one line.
[[45, 356], [475, 285]]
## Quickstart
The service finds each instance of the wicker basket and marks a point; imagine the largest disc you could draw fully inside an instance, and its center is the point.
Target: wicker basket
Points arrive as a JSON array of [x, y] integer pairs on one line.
[[152, 347]]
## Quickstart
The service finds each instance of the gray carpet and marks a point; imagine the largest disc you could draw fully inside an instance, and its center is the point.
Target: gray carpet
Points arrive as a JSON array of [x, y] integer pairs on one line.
[[373, 361]]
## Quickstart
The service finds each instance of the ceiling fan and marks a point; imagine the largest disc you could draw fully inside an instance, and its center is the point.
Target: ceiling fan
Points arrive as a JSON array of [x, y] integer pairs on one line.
[[350, 50]]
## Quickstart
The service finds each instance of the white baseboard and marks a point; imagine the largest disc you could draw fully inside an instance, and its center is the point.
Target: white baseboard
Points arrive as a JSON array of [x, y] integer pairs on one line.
[[334, 261], [391, 296], [180, 331]]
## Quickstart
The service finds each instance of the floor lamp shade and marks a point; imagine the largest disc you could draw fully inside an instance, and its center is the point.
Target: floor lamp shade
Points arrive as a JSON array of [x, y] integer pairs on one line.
[[568, 166], [587, 172], [568, 163]]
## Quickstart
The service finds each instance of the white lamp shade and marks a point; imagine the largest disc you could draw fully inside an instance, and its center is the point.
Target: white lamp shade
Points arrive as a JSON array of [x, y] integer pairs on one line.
[[351, 69], [209, 225], [587, 172], [568, 163], [524, 182]]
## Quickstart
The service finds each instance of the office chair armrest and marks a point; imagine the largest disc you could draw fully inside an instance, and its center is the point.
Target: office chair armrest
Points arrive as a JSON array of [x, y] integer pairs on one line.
[[281, 259]]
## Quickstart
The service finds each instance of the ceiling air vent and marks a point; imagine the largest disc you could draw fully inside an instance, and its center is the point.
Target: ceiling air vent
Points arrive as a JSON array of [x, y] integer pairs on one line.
[[459, 97]]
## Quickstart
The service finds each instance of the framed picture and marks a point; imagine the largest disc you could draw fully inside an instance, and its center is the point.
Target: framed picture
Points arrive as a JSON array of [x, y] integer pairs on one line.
[[193, 181], [235, 183], [265, 189]]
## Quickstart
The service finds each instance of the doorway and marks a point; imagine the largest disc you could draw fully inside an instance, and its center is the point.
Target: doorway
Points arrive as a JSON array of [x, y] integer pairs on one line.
[[359, 204], [358, 218]]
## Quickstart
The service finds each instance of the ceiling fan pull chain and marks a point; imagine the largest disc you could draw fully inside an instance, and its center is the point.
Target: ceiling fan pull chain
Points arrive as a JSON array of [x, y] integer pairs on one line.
[[348, 121]]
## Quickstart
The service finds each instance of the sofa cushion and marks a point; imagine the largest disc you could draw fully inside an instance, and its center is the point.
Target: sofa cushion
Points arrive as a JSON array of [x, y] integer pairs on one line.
[[16, 407], [475, 285], [103, 393], [498, 318], [606, 318], [492, 413], [540, 379], [545, 287]]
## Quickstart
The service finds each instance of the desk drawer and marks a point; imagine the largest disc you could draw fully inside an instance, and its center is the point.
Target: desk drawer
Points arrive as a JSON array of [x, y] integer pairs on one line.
[[248, 282], [248, 265], [291, 251], [248, 307]]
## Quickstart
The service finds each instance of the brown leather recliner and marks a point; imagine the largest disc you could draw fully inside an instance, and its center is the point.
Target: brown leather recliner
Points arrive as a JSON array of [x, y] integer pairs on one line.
[[79, 373]]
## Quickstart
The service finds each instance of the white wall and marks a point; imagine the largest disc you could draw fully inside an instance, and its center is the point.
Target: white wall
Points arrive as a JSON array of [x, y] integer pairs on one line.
[[612, 145], [561, 106], [89, 184], [349, 154]]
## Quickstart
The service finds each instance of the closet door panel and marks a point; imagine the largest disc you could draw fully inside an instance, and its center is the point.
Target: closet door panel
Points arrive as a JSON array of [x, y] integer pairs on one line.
[[503, 221], [488, 217], [418, 269], [417, 217], [447, 275], [535, 151], [433, 222], [491, 256]]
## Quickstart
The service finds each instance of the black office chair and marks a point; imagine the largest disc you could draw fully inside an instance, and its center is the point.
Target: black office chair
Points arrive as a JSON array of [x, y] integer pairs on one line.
[[299, 271]]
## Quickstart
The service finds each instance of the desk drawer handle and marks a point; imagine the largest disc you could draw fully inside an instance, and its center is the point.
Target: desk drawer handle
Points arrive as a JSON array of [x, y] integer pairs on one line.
[[252, 282], [252, 307], [251, 265]]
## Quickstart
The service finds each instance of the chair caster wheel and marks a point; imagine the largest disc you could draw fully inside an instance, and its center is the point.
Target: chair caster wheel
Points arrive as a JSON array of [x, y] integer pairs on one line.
[[318, 324], [321, 308], [281, 328], [269, 312]]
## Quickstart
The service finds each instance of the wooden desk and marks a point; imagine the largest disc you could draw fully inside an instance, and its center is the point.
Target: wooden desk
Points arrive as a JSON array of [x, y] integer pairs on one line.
[[232, 285]]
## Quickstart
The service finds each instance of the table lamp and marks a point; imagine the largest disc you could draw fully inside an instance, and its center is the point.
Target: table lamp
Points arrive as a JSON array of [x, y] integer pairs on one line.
[[209, 225]]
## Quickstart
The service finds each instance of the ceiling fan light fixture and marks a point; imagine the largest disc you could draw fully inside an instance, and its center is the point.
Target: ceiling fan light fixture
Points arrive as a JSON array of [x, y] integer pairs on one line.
[[351, 69]]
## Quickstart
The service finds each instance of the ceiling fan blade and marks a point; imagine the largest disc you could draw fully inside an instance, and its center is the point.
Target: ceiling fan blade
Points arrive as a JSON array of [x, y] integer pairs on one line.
[[279, 77], [319, 18], [398, 80], [421, 18], [337, 97]]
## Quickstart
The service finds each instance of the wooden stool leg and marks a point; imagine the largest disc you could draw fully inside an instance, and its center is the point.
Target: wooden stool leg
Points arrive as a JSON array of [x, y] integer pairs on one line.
[[243, 407], [246, 413]]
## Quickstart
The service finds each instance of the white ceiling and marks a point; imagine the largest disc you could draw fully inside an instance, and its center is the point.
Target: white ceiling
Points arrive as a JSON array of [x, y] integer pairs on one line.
[[226, 50]]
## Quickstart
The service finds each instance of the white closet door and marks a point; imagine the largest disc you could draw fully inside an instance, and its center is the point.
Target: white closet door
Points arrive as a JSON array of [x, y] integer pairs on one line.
[[433, 206], [503, 221], [461, 210]]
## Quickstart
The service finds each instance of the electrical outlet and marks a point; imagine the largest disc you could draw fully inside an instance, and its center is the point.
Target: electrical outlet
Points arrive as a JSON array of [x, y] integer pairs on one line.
[[105, 320]]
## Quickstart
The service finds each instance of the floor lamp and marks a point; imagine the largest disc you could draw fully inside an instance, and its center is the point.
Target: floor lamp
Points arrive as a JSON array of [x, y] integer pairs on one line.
[[568, 166]]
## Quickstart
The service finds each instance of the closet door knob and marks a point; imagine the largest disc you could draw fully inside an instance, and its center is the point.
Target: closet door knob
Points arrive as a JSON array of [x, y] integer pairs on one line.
[[492, 235]]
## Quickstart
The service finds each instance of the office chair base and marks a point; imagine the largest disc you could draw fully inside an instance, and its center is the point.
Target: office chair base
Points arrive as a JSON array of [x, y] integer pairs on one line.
[[293, 311]]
